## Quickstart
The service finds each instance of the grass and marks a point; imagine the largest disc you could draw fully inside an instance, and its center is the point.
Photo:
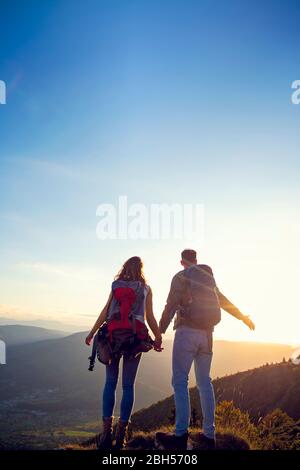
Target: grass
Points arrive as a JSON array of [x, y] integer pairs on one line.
[[140, 440], [77, 434], [225, 440]]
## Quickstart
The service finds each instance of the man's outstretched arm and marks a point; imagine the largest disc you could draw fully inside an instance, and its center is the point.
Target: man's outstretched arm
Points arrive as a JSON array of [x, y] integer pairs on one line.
[[229, 307]]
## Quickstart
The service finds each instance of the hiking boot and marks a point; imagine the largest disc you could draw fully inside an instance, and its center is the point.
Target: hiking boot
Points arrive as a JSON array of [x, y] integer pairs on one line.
[[104, 440], [121, 435], [205, 442], [171, 441]]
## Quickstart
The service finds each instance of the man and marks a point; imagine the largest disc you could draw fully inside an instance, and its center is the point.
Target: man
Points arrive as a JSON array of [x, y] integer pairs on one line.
[[196, 300]]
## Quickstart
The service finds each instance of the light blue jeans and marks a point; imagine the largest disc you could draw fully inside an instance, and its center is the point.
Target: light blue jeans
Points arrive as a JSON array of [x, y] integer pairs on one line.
[[130, 368], [191, 345]]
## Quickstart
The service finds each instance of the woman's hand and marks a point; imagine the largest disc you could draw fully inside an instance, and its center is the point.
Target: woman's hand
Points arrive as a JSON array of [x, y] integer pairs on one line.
[[89, 339], [248, 322], [157, 344]]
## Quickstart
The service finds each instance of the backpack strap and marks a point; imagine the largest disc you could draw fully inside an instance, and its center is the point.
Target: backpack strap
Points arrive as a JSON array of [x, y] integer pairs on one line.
[[92, 357], [205, 271], [138, 292], [135, 306]]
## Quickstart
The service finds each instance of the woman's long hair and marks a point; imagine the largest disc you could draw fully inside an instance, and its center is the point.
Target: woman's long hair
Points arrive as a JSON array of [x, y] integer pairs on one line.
[[132, 270]]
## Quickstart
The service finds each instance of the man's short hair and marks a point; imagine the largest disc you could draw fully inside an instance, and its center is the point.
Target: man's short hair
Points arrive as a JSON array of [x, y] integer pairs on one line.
[[189, 255]]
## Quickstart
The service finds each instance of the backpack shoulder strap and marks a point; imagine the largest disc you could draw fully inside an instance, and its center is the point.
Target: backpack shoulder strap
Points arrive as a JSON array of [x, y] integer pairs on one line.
[[138, 292]]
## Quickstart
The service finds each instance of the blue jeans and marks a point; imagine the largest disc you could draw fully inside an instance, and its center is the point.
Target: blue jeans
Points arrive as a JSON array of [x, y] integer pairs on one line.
[[191, 345], [130, 368]]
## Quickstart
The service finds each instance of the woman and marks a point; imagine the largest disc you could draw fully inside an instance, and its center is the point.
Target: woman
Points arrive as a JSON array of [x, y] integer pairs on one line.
[[130, 276]]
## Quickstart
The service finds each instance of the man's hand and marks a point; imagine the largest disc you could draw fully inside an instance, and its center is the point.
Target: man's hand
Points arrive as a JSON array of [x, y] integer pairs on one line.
[[247, 320]]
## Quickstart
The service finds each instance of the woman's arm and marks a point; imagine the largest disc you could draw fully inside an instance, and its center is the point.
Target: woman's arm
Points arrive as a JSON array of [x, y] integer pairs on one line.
[[100, 320], [150, 317]]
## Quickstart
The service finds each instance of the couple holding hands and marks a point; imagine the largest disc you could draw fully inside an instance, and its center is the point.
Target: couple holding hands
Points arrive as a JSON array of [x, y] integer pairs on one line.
[[196, 301]]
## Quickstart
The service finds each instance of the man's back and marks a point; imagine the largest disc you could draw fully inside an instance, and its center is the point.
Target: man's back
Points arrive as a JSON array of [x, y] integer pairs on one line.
[[179, 294], [193, 297]]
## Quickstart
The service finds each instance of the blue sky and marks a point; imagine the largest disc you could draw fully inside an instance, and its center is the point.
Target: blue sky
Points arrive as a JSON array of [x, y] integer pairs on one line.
[[163, 101]]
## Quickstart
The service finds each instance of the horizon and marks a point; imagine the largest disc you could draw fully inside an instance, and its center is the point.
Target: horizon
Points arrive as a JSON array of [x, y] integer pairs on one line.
[[169, 336]]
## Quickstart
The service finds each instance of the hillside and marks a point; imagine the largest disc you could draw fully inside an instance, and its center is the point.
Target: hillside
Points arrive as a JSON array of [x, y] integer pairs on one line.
[[20, 334], [46, 385], [234, 431], [258, 392], [239, 424]]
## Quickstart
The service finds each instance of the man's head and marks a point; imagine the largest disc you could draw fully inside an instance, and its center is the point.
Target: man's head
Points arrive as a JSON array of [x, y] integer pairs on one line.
[[188, 257]]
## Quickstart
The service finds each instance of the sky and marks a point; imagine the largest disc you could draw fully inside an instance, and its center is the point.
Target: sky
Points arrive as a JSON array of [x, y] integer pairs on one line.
[[164, 102]]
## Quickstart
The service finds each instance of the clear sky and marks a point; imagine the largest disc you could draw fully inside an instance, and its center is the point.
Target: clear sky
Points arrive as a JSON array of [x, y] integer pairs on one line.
[[165, 102]]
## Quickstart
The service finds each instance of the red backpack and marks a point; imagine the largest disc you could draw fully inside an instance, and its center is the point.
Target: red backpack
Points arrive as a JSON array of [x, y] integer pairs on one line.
[[123, 324], [123, 333]]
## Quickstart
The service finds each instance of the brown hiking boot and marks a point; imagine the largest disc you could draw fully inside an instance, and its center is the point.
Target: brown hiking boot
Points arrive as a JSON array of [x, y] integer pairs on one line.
[[121, 435], [205, 442], [104, 440], [164, 440]]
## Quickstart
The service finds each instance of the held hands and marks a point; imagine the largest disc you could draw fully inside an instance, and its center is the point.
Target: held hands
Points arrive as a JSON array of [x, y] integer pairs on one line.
[[157, 344], [248, 322], [89, 339]]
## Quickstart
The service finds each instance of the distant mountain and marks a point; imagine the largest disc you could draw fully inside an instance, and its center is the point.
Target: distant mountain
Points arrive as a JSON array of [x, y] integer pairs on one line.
[[20, 334], [230, 356], [57, 370], [258, 392], [62, 364], [42, 323]]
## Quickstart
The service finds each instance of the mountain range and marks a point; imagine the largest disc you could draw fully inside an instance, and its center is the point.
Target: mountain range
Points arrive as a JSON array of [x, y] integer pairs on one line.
[[41, 323], [20, 334]]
